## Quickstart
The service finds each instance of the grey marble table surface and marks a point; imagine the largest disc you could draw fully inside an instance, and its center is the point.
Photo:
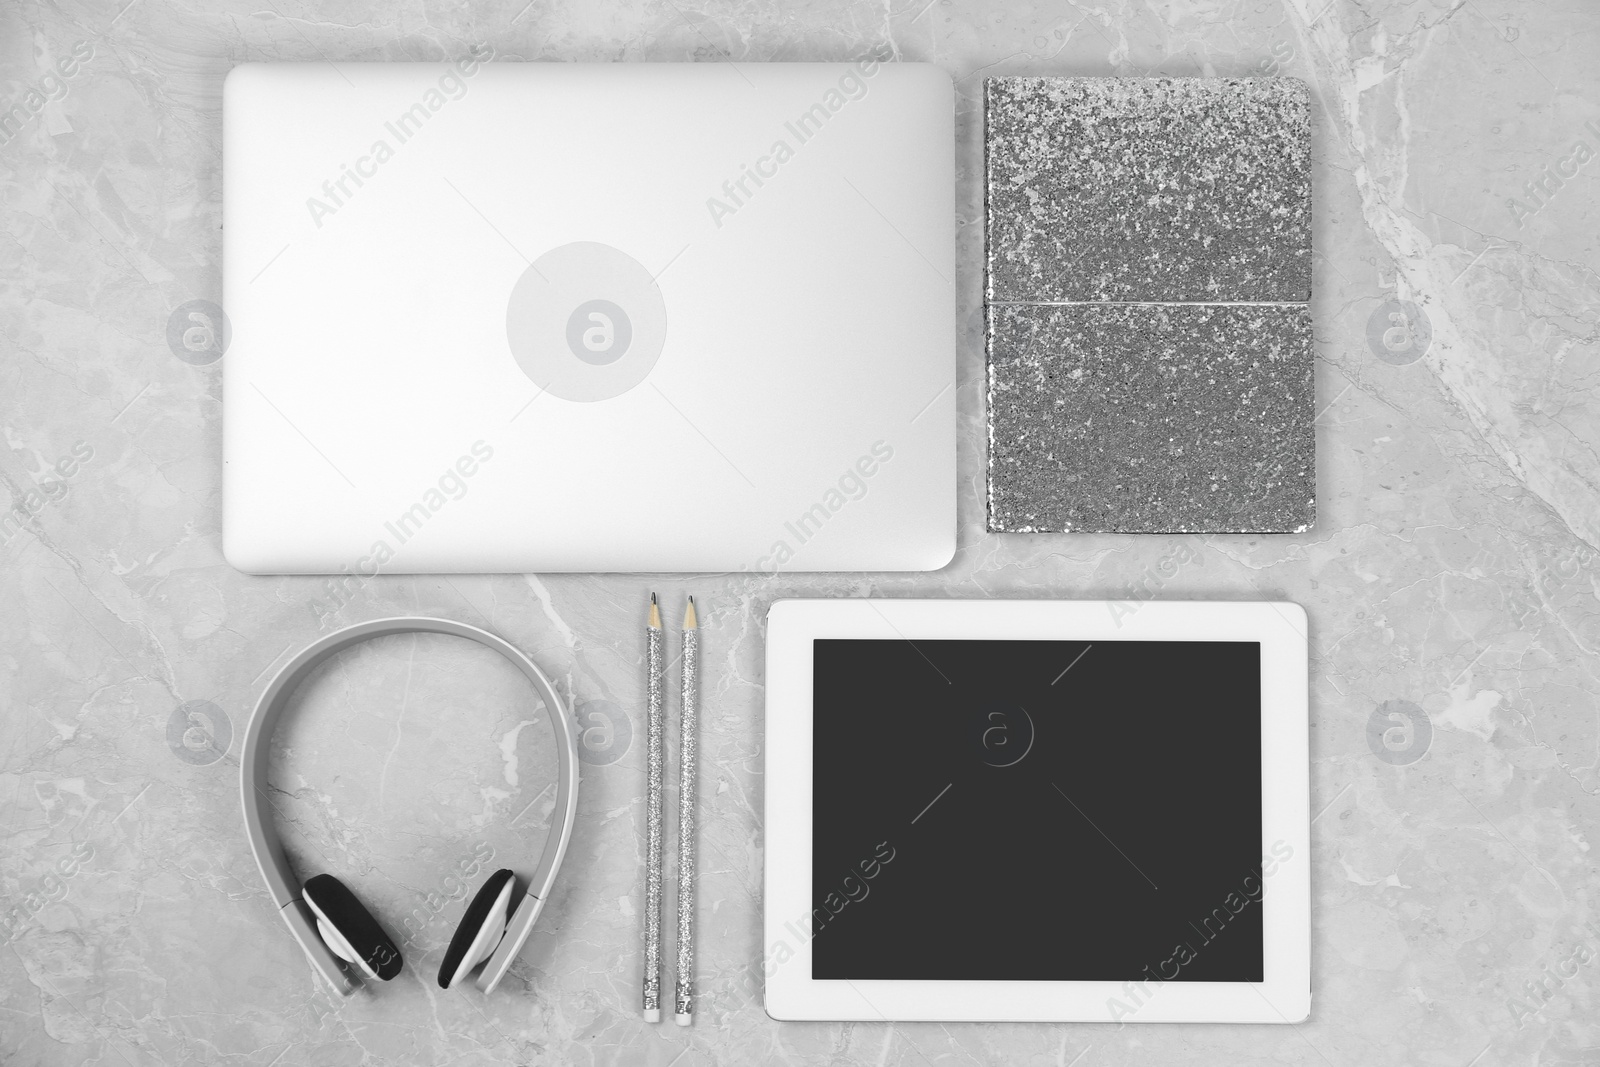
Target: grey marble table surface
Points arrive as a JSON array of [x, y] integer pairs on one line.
[[1451, 577]]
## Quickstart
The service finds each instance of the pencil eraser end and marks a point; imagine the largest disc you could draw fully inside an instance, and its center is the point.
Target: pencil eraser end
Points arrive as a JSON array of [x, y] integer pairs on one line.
[[682, 1019], [652, 1015]]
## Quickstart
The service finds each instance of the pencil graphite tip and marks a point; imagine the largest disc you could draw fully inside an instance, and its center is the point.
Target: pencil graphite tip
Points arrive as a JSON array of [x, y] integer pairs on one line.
[[690, 621], [655, 613]]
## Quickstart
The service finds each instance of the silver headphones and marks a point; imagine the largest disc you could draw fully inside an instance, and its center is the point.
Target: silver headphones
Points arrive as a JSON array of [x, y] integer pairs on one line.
[[324, 916]]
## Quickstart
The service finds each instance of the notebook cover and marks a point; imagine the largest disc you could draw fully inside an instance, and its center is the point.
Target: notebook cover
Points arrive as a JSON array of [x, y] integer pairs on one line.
[[1148, 328]]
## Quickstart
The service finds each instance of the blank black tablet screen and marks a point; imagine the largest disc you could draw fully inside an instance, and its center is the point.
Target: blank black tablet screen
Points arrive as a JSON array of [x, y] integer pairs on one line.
[[1037, 810]]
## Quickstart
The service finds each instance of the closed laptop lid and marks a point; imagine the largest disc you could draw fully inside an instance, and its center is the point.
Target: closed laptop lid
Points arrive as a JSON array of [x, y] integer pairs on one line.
[[631, 317]]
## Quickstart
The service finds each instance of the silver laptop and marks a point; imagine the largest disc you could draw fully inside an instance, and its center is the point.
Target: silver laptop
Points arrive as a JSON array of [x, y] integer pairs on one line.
[[568, 317]]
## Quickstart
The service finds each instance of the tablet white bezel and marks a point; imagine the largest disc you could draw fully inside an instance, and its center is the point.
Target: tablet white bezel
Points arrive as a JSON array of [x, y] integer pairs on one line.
[[791, 992]]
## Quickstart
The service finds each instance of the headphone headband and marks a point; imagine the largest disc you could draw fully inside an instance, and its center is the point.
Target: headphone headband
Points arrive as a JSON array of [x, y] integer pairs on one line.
[[263, 834]]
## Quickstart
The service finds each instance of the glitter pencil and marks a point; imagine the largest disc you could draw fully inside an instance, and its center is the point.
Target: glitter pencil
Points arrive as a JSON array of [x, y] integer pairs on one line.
[[688, 744], [652, 885]]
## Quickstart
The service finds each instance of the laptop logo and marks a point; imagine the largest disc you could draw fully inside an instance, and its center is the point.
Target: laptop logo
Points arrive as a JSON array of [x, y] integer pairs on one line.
[[586, 322]]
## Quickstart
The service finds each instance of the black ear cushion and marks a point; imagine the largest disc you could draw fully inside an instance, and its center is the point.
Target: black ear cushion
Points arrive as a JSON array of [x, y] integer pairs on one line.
[[356, 923], [471, 922]]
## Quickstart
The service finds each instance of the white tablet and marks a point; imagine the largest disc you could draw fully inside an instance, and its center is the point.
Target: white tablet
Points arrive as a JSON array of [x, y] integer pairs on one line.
[[1062, 811]]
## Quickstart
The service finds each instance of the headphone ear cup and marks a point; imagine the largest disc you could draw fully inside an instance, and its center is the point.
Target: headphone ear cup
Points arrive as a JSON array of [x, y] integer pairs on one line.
[[480, 930], [349, 929]]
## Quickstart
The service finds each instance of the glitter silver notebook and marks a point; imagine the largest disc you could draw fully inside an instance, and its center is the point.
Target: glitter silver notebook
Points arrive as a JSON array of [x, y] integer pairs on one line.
[[1148, 331]]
